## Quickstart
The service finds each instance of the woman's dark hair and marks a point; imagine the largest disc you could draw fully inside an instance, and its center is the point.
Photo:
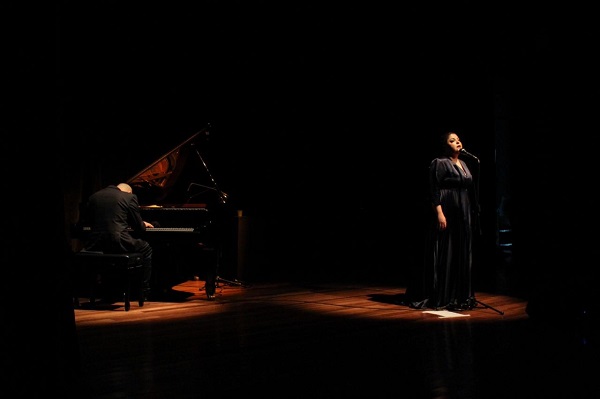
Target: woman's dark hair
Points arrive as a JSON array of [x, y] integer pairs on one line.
[[443, 142]]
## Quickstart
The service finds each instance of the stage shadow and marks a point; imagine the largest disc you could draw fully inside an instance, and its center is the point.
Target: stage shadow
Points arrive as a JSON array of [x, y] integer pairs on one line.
[[396, 299]]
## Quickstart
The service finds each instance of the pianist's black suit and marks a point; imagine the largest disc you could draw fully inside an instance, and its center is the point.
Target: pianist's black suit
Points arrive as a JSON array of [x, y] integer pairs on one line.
[[113, 215]]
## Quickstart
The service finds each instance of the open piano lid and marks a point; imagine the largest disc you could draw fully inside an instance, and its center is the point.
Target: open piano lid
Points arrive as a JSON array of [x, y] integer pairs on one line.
[[178, 178]]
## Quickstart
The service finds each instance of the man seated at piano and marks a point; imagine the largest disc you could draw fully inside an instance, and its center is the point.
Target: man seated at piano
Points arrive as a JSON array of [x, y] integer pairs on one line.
[[113, 214]]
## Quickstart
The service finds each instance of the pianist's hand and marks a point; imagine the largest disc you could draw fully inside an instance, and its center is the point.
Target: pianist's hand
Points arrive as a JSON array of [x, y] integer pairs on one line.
[[148, 225]]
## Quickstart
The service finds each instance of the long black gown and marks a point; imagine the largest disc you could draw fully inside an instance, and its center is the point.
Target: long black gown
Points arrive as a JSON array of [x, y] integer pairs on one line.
[[445, 281]]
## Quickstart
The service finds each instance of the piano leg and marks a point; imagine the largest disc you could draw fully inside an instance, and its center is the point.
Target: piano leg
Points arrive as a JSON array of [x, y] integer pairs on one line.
[[210, 286], [211, 260]]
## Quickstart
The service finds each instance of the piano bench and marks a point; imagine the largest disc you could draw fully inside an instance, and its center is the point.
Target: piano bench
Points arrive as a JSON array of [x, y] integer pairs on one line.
[[126, 268]]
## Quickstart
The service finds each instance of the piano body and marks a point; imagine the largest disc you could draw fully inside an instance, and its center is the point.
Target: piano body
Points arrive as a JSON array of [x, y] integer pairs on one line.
[[178, 194]]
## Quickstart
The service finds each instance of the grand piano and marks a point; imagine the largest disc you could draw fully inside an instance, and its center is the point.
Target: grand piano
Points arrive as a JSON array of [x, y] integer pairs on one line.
[[192, 218]]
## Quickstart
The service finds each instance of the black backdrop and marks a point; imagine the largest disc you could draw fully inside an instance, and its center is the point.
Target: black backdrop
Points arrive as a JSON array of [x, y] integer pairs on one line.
[[324, 118], [323, 124]]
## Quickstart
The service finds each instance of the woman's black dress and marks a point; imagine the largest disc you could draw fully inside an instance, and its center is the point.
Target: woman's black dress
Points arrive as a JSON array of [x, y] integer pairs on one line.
[[445, 282]]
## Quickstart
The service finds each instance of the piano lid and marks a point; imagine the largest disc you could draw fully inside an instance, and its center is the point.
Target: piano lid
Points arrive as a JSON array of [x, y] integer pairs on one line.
[[174, 176]]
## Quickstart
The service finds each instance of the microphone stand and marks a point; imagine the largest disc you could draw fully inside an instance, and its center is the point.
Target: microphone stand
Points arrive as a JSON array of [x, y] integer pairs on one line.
[[212, 283], [476, 197], [478, 222]]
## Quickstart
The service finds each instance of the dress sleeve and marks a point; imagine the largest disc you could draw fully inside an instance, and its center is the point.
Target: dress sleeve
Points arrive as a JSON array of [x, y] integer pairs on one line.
[[434, 182]]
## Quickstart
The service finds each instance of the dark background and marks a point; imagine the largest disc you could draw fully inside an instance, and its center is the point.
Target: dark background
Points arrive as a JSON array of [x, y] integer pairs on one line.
[[324, 119]]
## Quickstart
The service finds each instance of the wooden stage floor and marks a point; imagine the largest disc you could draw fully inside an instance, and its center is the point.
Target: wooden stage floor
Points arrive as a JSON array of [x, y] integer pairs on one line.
[[326, 340]]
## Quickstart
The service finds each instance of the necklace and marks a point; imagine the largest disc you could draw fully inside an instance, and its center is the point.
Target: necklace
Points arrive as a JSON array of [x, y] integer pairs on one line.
[[459, 165]]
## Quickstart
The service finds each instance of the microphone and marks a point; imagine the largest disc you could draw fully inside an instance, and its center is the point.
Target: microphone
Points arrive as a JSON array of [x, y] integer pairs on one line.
[[465, 152]]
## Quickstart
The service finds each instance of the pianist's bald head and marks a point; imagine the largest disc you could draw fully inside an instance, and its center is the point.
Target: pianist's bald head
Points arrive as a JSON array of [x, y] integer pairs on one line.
[[125, 187]]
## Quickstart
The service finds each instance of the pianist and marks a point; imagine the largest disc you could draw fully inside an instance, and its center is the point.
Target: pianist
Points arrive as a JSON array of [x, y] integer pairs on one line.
[[113, 214]]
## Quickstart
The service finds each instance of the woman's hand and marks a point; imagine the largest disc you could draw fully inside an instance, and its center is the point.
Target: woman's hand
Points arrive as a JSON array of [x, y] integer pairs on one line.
[[442, 221], [441, 218]]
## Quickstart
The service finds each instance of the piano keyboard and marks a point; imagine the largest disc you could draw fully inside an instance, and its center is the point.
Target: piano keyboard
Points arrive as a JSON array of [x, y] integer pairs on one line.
[[163, 229], [175, 229]]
